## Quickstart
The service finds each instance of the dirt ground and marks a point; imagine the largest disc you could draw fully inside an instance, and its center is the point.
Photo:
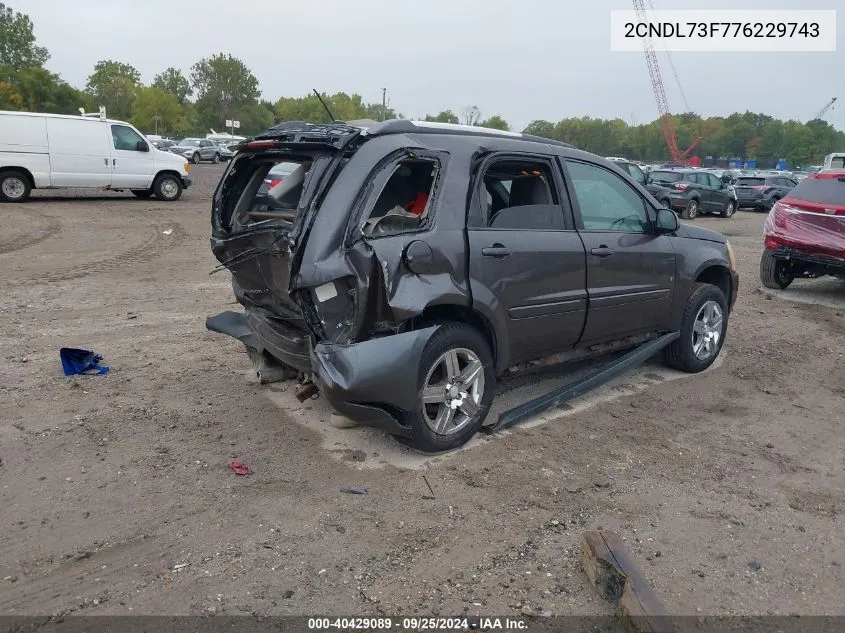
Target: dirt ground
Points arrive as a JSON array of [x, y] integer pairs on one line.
[[116, 497]]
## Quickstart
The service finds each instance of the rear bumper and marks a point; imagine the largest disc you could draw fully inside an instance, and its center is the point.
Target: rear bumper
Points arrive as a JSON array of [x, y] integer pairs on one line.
[[373, 382], [794, 254], [758, 204]]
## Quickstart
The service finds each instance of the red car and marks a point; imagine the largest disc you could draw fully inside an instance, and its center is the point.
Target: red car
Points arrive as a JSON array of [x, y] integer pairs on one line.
[[805, 231]]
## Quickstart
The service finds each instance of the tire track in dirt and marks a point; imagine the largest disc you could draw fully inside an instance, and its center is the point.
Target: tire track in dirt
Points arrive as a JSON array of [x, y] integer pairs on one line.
[[32, 236], [155, 246]]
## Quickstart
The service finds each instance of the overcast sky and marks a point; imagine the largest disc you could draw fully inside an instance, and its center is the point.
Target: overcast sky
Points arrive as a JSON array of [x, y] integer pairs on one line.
[[523, 59]]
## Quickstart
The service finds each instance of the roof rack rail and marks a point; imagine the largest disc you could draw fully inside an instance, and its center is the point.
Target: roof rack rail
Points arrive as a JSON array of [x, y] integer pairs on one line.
[[101, 114]]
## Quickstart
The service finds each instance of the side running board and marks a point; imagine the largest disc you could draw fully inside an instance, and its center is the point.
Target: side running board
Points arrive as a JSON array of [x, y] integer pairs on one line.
[[581, 386]]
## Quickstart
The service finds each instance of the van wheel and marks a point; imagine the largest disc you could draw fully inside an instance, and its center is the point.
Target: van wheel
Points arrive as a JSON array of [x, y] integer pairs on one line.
[[167, 187], [195, 159], [216, 159], [729, 209], [455, 387], [142, 193], [703, 328], [775, 273], [14, 186], [691, 211]]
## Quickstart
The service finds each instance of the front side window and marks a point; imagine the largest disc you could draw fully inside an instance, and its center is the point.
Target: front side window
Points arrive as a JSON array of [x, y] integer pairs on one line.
[[607, 202], [713, 181], [519, 194], [125, 138], [404, 203]]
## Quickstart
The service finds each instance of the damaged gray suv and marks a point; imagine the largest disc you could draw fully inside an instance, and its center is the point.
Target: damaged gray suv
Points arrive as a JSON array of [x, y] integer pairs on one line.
[[400, 269]]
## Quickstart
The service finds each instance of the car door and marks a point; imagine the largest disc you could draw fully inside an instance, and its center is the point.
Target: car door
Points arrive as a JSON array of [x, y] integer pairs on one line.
[[708, 202], [80, 154], [133, 167], [630, 269], [636, 173], [526, 261], [207, 150], [720, 195]]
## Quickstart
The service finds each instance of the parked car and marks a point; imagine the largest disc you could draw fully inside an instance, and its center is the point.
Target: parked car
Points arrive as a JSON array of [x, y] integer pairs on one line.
[[804, 234], [225, 152], [276, 175], [691, 191], [761, 192], [164, 143], [53, 151], [403, 269], [631, 168], [197, 149]]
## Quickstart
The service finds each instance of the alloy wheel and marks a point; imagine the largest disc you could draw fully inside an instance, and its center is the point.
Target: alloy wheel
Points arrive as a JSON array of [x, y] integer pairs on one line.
[[452, 391], [707, 330]]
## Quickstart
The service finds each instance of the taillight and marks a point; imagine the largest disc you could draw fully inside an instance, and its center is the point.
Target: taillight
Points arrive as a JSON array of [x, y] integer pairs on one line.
[[275, 182], [680, 186], [261, 144]]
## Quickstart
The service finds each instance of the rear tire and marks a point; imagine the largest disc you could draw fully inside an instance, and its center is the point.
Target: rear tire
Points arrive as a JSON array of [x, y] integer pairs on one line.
[[14, 186], [729, 209], [703, 328], [691, 210], [142, 193], [665, 203], [167, 187], [774, 272], [442, 384]]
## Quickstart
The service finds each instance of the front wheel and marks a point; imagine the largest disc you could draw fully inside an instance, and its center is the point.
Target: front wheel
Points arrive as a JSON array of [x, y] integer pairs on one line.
[[167, 187], [691, 211], [195, 159], [775, 273], [729, 209], [703, 327], [455, 387], [216, 159]]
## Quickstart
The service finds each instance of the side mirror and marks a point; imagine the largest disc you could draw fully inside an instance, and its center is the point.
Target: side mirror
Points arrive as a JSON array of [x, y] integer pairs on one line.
[[666, 222], [142, 146]]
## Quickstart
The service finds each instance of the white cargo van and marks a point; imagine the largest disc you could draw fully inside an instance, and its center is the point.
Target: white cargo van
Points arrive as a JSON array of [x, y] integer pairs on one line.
[[834, 161], [51, 151]]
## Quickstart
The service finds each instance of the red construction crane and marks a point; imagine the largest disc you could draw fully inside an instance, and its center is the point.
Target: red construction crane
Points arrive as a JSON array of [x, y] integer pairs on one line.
[[667, 124]]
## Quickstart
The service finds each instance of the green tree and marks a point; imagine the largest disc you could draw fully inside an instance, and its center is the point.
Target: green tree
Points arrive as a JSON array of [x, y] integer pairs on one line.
[[496, 122], [540, 127], [10, 98], [446, 116], [114, 85], [43, 91], [173, 82], [159, 112], [224, 85], [17, 41]]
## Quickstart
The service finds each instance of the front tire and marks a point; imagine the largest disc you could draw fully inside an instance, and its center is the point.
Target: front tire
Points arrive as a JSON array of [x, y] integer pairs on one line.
[[703, 328], [455, 387], [14, 186], [167, 187], [216, 159], [691, 211], [729, 209], [775, 273], [195, 159]]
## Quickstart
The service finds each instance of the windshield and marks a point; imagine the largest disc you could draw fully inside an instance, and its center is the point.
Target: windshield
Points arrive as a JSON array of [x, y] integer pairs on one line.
[[821, 190], [189, 142], [750, 182], [666, 176]]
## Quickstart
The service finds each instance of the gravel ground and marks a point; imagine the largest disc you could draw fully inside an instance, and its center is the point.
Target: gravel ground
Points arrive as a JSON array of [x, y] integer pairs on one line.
[[116, 496]]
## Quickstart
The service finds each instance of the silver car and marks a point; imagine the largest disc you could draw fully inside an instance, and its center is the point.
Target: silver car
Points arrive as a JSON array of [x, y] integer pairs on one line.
[[198, 149]]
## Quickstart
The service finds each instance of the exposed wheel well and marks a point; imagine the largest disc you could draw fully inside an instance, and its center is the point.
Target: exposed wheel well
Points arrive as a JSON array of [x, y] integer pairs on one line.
[[718, 276], [23, 170], [169, 172], [462, 314]]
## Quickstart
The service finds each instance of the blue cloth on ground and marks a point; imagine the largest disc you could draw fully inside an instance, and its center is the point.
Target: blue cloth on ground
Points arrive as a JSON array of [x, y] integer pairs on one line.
[[81, 361]]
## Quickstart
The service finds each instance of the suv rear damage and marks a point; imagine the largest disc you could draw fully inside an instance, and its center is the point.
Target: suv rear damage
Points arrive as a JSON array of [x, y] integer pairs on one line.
[[400, 269]]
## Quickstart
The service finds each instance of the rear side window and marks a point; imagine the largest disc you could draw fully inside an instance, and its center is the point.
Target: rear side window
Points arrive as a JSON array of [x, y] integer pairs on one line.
[[519, 194], [821, 190], [405, 202]]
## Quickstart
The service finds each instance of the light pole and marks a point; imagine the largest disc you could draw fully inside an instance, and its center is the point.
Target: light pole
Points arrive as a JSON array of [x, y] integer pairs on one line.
[[383, 104]]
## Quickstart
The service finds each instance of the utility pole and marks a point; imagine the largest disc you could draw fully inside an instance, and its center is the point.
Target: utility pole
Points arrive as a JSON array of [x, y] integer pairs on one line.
[[383, 104]]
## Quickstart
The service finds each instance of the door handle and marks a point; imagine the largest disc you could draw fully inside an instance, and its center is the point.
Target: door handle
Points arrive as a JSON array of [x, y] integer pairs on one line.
[[106, 161], [602, 251], [114, 162], [497, 250]]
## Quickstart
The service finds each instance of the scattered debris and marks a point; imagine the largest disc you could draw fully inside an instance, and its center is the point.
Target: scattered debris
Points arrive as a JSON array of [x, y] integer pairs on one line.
[[306, 390], [617, 578], [167, 231], [179, 566], [131, 315], [352, 490], [288, 594], [341, 529], [425, 479], [238, 467], [81, 361], [753, 565]]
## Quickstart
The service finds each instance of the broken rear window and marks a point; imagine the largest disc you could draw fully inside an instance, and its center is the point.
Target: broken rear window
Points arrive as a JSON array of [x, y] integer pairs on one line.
[[404, 203]]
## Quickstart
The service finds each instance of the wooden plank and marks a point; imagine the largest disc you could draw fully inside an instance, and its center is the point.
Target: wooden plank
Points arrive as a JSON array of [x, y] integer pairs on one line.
[[612, 570]]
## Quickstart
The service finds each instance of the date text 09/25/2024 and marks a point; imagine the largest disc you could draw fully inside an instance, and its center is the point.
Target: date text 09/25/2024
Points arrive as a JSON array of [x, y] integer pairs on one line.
[[414, 624]]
